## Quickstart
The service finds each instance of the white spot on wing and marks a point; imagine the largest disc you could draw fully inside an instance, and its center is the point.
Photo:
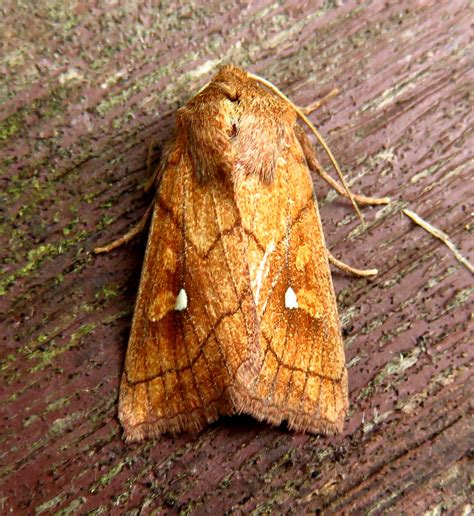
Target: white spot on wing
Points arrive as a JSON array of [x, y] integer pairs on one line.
[[290, 299], [181, 301]]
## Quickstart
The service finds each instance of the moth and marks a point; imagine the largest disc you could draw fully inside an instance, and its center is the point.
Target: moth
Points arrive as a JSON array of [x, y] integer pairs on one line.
[[236, 311]]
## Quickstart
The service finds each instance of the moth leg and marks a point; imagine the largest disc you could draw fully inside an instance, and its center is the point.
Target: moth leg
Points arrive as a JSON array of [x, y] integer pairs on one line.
[[315, 166], [151, 175], [138, 228], [347, 268], [318, 103]]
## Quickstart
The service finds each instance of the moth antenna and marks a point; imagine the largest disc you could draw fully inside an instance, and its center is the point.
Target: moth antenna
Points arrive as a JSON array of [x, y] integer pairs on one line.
[[202, 89], [316, 133]]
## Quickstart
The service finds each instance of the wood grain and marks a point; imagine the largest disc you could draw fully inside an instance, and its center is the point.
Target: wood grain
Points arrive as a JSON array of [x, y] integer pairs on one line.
[[85, 87]]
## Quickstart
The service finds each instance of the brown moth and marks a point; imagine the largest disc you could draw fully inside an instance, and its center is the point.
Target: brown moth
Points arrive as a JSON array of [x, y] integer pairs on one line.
[[236, 309]]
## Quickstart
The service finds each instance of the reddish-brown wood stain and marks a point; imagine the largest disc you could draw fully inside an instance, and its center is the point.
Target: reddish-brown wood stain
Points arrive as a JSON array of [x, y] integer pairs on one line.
[[84, 90]]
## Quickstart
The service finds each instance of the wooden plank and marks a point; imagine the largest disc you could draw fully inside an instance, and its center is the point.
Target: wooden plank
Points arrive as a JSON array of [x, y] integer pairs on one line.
[[85, 86]]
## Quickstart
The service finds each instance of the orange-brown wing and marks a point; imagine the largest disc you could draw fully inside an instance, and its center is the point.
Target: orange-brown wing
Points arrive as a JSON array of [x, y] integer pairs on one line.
[[193, 338], [302, 378]]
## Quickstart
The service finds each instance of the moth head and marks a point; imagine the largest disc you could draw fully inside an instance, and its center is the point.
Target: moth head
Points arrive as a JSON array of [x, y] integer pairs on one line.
[[234, 128], [229, 74]]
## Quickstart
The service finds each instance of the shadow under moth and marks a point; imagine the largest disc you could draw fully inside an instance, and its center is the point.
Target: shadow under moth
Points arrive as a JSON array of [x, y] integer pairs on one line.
[[236, 311]]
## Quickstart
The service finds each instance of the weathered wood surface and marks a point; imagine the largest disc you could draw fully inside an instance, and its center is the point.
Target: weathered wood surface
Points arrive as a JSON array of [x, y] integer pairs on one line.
[[85, 87]]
